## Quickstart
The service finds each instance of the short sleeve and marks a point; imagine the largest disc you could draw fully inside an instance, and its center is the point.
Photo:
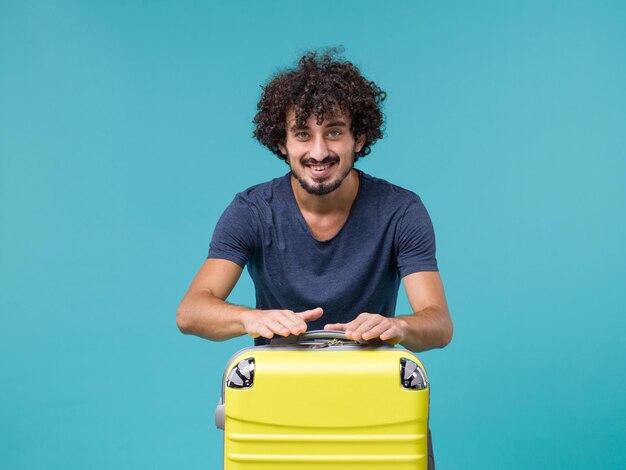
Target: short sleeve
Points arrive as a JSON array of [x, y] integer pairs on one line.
[[235, 234], [415, 240]]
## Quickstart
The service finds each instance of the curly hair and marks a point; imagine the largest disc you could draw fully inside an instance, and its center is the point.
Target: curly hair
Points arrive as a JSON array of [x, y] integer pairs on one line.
[[320, 85]]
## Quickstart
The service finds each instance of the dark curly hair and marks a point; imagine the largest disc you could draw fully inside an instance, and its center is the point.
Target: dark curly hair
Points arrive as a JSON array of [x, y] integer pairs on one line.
[[322, 85]]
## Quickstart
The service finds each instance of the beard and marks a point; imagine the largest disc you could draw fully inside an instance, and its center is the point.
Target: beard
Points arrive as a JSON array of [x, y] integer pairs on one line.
[[323, 188]]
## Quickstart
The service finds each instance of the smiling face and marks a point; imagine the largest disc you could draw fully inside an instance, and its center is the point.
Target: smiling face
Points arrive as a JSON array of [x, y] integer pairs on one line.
[[320, 155]]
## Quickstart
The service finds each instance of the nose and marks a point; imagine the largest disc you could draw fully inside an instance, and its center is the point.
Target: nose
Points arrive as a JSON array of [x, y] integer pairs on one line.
[[319, 149]]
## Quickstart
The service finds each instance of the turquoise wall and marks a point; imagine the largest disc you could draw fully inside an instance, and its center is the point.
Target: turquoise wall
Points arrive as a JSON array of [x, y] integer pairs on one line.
[[125, 131]]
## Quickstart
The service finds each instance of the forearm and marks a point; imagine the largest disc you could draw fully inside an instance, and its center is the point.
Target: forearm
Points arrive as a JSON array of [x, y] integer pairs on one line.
[[427, 329], [202, 314]]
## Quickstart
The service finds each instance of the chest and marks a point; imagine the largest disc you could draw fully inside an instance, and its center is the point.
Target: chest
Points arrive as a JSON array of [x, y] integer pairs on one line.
[[325, 227]]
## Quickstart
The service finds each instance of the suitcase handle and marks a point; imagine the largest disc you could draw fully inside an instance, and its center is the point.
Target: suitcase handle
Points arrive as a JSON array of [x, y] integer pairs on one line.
[[323, 334]]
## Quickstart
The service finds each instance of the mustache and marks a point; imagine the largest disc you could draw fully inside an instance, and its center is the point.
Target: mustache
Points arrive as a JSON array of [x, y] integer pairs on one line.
[[312, 161]]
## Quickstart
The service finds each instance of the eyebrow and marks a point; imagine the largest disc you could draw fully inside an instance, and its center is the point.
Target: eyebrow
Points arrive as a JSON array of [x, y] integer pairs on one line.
[[337, 123]]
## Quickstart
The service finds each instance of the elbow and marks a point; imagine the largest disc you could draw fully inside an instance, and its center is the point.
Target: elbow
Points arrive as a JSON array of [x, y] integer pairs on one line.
[[183, 322], [447, 333]]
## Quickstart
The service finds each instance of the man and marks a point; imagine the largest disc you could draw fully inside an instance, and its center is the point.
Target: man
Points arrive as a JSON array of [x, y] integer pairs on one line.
[[326, 245]]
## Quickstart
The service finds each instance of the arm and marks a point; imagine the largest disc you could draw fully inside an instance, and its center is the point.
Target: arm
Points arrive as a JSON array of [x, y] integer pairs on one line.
[[428, 327], [204, 311]]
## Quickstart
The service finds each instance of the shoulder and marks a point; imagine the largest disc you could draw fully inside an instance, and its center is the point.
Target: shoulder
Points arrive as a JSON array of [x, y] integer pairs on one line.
[[261, 204], [244, 219], [386, 194], [263, 193]]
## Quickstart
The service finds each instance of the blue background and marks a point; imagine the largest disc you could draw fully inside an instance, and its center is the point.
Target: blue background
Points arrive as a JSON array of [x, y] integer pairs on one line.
[[125, 131]]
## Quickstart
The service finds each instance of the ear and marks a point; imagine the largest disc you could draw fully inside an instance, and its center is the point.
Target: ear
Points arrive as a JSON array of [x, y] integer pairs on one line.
[[282, 149], [360, 142]]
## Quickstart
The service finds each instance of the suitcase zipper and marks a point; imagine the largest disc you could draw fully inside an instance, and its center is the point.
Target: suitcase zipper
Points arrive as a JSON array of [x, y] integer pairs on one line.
[[333, 342]]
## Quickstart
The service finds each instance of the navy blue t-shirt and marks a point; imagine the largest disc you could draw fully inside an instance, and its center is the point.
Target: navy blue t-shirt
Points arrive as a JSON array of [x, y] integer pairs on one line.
[[388, 235]]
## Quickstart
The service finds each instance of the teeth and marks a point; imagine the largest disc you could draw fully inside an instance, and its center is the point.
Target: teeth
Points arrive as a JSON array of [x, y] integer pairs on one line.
[[320, 167]]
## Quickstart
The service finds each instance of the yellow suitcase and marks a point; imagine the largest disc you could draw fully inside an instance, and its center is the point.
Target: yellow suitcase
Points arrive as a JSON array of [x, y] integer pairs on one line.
[[321, 401]]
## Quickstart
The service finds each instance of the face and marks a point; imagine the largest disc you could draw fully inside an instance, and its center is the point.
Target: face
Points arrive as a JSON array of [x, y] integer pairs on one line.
[[320, 155]]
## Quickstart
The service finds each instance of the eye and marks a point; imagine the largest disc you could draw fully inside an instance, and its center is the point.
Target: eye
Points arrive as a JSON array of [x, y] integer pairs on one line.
[[302, 135], [334, 133]]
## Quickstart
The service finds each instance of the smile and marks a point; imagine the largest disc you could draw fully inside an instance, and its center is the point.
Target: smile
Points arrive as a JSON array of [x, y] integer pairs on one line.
[[320, 168]]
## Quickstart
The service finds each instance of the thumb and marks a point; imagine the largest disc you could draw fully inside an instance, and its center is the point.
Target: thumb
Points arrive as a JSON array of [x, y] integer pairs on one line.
[[312, 314], [335, 326]]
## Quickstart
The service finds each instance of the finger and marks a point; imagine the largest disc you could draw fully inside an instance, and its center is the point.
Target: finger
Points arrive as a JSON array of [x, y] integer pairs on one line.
[[265, 332], [375, 331], [284, 322], [336, 326], [392, 335], [349, 329], [294, 323], [258, 328], [356, 323], [366, 326], [312, 314], [395, 333], [277, 327]]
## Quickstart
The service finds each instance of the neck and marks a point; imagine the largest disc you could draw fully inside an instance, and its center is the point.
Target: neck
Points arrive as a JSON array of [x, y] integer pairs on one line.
[[340, 200]]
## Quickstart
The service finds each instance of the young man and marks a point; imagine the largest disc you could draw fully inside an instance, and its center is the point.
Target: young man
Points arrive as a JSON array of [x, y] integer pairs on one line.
[[326, 245]]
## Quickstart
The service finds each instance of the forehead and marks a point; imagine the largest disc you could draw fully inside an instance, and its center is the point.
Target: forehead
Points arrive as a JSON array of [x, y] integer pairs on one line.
[[330, 119]]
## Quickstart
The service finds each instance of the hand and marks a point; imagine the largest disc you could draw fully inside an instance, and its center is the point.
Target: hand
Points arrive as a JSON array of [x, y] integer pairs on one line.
[[372, 325], [266, 323]]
